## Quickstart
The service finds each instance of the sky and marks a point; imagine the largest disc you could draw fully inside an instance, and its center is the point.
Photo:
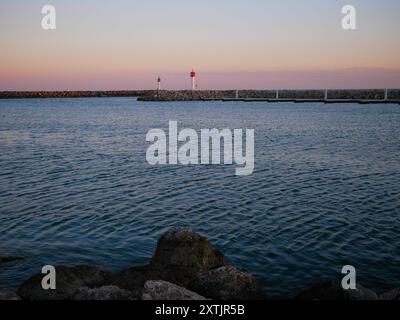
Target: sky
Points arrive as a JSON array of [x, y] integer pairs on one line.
[[232, 44]]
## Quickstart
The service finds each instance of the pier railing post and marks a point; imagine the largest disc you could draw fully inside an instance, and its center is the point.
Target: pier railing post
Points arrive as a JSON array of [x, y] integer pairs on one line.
[[386, 94], [326, 94], [277, 95]]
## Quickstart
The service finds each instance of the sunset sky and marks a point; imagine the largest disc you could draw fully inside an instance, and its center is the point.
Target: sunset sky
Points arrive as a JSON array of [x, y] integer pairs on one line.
[[259, 44]]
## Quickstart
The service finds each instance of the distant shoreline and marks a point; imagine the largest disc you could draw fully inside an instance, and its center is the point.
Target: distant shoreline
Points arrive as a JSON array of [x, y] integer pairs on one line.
[[299, 96], [71, 94]]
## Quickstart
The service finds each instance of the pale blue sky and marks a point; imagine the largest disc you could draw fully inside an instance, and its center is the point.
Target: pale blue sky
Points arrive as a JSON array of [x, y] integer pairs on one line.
[[131, 41]]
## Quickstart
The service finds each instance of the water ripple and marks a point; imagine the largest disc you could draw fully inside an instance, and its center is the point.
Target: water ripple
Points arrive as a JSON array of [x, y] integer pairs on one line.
[[75, 188]]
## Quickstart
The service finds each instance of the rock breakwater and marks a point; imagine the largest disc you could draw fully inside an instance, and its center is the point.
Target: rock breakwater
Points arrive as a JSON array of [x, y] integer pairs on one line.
[[201, 95], [72, 94], [273, 95]]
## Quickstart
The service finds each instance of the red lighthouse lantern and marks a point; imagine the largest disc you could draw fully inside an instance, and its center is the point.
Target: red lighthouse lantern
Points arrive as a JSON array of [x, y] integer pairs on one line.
[[193, 78]]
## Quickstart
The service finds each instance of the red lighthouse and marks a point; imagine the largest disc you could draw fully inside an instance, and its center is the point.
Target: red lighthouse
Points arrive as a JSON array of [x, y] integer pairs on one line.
[[193, 78]]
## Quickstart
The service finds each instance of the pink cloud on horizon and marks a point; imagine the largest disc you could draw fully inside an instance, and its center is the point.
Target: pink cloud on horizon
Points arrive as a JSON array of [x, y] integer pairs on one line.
[[357, 78]]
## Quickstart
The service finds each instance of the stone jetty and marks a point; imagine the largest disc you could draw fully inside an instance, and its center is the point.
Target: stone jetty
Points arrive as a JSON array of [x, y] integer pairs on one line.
[[72, 94], [185, 266], [326, 96]]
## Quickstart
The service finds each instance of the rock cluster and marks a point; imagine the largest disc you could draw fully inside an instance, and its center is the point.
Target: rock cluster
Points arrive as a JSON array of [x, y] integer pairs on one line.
[[228, 283], [102, 293], [70, 94], [332, 290], [182, 259], [69, 280], [394, 94], [302, 94], [5, 295], [163, 290], [185, 266], [257, 94], [186, 95], [357, 94], [181, 255]]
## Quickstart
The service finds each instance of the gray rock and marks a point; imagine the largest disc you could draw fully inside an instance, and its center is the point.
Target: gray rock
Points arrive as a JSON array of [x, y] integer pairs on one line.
[[131, 279], [324, 290], [332, 290], [5, 295], [163, 290], [360, 293], [68, 281], [181, 255], [102, 293], [391, 295], [228, 283]]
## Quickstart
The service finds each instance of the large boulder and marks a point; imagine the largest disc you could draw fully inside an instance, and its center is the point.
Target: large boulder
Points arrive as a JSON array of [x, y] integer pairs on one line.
[[391, 295], [332, 290], [228, 283], [181, 255], [5, 295], [163, 290], [68, 281], [360, 293], [324, 290], [102, 293]]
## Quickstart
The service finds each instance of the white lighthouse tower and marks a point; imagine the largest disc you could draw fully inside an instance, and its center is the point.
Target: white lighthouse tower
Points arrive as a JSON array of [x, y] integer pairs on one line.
[[193, 78], [158, 83]]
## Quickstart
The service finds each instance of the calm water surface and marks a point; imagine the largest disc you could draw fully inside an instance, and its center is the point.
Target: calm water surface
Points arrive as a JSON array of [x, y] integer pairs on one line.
[[75, 188]]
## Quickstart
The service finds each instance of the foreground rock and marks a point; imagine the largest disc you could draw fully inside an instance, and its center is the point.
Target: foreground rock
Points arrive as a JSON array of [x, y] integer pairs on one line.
[[102, 293], [69, 280], [391, 295], [181, 255], [5, 295], [228, 283], [162, 290], [360, 293], [132, 280], [332, 290], [9, 259]]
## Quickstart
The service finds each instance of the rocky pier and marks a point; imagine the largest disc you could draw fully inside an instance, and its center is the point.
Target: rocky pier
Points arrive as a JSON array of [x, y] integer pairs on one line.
[[72, 94], [299, 96]]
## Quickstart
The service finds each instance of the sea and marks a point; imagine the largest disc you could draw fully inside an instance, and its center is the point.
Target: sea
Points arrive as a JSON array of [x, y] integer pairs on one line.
[[75, 188]]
